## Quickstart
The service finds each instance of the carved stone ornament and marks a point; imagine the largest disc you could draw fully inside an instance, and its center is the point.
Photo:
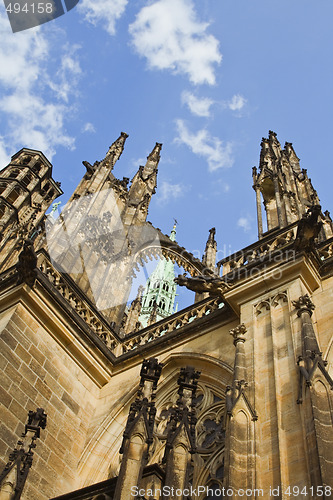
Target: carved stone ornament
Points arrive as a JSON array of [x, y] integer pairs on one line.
[[27, 264], [20, 460], [304, 304], [308, 229], [202, 283]]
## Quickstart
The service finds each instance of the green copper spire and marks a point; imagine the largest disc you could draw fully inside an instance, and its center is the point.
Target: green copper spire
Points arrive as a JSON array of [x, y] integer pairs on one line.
[[160, 291]]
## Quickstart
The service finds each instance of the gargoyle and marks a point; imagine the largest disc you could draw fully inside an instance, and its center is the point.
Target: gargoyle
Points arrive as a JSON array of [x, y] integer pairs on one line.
[[308, 228], [90, 168], [27, 264], [202, 283]]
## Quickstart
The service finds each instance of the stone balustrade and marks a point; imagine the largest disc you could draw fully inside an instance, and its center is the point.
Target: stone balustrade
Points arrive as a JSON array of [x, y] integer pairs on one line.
[[135, 339], [258, 252]]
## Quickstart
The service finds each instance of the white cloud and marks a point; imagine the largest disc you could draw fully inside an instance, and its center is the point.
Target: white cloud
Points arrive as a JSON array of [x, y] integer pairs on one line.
[[236, 103], [67, 75], [4, 156], [89, 127], [245, 223], [106, 12], [169, 35], [33, 100], [168, 191], [197, 106], [201, 143]]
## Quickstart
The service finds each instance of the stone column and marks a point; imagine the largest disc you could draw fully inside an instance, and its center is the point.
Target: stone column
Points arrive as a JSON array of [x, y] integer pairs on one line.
[[259, 212], [180, 443], [238, 334], [305, 307], [278, 201], [239, 422], [138, 434], [316, 399]]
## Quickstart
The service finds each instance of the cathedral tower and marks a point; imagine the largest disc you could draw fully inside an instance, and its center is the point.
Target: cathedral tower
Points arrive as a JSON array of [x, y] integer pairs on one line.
[[26, 191], [284, 187], [158, 299]]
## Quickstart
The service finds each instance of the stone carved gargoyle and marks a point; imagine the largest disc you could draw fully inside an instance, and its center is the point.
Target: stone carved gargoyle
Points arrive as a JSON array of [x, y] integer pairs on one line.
[[202, 283], [308, 228], [27, 264]]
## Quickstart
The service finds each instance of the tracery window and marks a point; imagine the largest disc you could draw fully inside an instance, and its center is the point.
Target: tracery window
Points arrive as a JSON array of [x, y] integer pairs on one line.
[[208, 468]]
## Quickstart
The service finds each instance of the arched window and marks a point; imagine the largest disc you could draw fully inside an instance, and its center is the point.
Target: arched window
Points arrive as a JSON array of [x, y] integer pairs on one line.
[[37, 166], [26, 159], [14, 174], [162, 304], [13, 195], [166, 287], [214, 491], [151, 303], [26, 180], [156, 284]]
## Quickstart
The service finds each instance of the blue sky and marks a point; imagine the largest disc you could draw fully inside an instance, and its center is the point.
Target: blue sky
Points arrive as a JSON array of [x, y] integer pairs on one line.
[[207, 78]]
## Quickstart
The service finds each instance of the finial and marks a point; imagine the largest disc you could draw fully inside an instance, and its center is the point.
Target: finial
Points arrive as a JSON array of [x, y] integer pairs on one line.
[[155, 154], [173, 231], [55, 207]]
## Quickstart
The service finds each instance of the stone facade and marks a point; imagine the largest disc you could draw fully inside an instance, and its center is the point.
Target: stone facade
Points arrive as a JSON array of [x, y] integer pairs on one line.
[[235, 391]]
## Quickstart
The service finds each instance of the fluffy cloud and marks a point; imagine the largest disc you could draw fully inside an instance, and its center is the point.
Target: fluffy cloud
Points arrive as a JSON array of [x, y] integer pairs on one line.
[[236, 103], [89, 127], [4, 156], [68, 73], [168, 191], [33, 101], [245, 223], [169, 35], [104, 12], [201, 143], [197, 106]]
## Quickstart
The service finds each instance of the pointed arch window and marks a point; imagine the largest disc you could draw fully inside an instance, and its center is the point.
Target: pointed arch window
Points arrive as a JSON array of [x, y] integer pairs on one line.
[[26, 180], [13, 195], [162, 304], [13, 174], [26, 159]]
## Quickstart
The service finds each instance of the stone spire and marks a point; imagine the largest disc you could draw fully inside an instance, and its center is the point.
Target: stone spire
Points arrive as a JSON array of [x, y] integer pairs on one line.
[[15, 473], [284, 188], [160, 291], [97, 176], [132, 320], [209, 257], [142, 188]]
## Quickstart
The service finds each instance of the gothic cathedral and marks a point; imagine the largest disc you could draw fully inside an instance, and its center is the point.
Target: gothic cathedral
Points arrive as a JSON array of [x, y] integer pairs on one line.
[[108, 397]]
